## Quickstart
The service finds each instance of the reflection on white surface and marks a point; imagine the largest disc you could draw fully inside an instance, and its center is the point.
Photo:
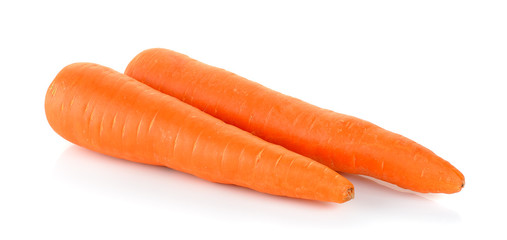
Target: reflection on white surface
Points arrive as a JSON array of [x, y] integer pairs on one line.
[[167, 189]]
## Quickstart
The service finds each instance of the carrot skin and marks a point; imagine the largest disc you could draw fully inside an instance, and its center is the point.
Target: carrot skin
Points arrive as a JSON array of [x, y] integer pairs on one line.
[[111, 113], [342, 142]]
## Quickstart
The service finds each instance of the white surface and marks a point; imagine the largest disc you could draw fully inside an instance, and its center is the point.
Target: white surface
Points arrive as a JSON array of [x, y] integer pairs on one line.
[[434, 71]]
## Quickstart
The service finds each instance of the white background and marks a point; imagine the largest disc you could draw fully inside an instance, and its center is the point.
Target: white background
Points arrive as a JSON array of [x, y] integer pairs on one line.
[[434, 71]]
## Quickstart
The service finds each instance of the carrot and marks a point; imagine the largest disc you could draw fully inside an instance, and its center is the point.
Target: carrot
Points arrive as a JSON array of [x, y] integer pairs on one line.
[[342, 142], [111, 113]]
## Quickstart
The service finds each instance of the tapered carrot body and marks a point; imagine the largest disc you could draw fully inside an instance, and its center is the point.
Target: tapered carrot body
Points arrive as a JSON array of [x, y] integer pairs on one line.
[[342, 142], [111, 113]]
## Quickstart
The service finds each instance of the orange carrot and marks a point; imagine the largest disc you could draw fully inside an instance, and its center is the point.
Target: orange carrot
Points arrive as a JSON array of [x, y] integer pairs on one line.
[[111, 113], [342, 142]]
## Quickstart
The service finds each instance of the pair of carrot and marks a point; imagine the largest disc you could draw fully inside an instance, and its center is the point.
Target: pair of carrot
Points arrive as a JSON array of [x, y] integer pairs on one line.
[[174, 111]]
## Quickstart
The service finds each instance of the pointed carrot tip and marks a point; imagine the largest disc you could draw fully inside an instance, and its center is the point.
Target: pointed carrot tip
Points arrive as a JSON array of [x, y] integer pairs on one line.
[[459, 187], [462, 178], [350, 194]]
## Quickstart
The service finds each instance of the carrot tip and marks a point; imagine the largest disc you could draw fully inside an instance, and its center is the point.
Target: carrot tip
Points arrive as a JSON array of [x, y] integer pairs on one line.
[[350, 194]]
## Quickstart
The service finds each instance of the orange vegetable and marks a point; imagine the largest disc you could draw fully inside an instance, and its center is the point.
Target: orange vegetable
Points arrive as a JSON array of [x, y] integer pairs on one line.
[[342, 142], [111, 113]]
